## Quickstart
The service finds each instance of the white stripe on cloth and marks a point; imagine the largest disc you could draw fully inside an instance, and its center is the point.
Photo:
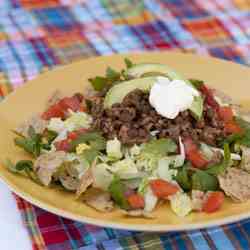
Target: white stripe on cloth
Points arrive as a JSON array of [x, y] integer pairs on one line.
[[13, 234]]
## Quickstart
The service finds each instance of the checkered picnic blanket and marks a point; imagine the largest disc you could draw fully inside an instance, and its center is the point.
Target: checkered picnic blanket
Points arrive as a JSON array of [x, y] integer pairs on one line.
[[37, 35]]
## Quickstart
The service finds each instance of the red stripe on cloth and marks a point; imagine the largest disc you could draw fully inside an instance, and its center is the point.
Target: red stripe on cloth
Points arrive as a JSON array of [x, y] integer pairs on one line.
[[46, 220], [55, 237]]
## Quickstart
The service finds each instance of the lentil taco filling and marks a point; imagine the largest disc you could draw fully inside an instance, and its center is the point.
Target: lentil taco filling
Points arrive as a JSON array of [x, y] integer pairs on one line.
[[140, 137], [134, 121]]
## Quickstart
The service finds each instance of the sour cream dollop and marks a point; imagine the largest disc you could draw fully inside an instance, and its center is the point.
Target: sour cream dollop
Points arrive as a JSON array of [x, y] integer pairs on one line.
[[169, 98]]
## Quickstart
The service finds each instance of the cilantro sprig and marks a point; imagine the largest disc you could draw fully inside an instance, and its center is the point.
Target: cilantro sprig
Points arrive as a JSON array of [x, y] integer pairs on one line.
[[34, 143], [94, 139], [22, 167], [111, 77]]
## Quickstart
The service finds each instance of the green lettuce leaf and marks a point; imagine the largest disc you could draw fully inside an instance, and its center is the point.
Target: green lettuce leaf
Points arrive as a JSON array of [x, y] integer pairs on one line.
[[221, 167], [117, 190], [160, 147], [204, 181], [184, 179]]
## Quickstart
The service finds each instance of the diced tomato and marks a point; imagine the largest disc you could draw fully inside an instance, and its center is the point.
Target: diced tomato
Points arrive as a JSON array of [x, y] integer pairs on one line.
[[193, 154], [226, 113], [209, 97], [72, 135], [53, 111], [136, 201], [197, 159], [213, 202], [162, 188], [231, 127], [60, 108], [189, 145], [82, 108], [72, 103], [63, 145]]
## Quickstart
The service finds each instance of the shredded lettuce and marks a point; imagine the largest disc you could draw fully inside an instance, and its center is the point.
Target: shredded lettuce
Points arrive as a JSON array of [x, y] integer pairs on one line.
[[143, 185], [147, 162], [164, 172], [152, 152], [102, 176], [78, 120], [113, 149], [181, 204], [207, 151], [125, 169], [150, 200], [159, 147], [135, 150], [57, 125]]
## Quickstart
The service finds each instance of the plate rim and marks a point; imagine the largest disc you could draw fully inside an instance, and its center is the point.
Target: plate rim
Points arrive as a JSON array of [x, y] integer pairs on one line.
[[124, 226]]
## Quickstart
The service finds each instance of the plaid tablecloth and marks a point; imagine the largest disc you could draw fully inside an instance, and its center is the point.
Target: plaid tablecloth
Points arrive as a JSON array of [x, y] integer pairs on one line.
[[37, 35]]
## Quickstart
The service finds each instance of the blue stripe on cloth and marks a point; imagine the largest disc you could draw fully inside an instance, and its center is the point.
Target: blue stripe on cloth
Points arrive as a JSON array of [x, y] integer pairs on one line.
[[198, 240], [166, 242], [246, 226], [99, 236], [112, 245], [10, 63], [72, 242], [221, 241], [90, 247], [25, 53], [236, 230], [101, 13], [176, 238]]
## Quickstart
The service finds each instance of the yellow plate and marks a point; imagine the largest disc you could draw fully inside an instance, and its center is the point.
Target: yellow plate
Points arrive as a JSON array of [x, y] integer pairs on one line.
[[229, 77]]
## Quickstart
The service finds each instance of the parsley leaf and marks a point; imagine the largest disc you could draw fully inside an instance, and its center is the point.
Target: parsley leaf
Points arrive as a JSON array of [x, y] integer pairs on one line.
[[22, 166], [242, 123], [10, 166], [94, 139], [111, 77], [117, 190], [34, 143], [90, 155], [245, 138], [128, 63], [98, 83], [204, 181], [29, 145]]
